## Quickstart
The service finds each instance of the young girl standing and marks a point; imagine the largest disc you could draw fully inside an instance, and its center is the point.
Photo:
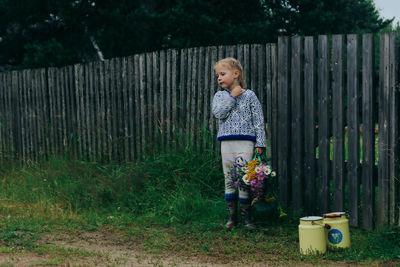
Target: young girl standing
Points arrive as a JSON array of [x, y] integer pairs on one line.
[[241, 132]]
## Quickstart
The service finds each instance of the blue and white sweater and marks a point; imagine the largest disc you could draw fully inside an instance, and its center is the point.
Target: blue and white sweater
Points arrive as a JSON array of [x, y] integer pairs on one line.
[[240, 118]]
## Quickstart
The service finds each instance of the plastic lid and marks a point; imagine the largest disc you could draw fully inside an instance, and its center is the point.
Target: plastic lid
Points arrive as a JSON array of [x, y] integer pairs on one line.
[[334, 214], [311, 218]]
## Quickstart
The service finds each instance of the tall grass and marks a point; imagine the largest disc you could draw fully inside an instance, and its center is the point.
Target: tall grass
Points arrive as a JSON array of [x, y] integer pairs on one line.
[[174, 187]]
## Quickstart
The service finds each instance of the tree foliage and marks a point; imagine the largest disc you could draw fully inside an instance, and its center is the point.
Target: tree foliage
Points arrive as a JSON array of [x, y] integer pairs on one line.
[[36, 33]]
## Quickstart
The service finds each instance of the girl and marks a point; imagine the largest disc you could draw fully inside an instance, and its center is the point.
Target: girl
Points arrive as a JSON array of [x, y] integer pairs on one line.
[[241, 132]]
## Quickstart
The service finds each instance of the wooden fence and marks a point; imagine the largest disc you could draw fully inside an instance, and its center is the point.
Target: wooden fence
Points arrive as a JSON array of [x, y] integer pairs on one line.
[[332, 119]]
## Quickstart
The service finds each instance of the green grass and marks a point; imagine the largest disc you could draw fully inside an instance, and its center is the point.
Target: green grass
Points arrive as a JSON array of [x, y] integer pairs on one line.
[[168, 203]]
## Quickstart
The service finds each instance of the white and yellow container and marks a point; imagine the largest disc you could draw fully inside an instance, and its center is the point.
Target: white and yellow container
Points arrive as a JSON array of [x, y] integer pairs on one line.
[[312, 235], [338, 235]]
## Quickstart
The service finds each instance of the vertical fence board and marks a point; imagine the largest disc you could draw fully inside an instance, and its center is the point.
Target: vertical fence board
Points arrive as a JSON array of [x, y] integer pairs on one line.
[[91, 112], [163, 71], [51, 88], [108, 114], [199, 105], [268, 109], [168, 101], [310, 168], [246, 65], [338, 109], [102, 132], [297, 131], [323, 122], [137, 107], [174, 97], [156, 98], [353, 127], [368, 133], [274, 85], [142, 84], [149, 99], [119, 108], [131, 109], [193, 87], [284, 120], [206, 100], [45, 115], [383, 163], [213, 88], [182, 91], [394, 130], [261, 84], [125, 112], [23, 110]]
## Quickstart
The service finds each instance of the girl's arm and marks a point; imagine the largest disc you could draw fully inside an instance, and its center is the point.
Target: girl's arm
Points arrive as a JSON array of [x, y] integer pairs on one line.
[[258, 121], [222, 104]]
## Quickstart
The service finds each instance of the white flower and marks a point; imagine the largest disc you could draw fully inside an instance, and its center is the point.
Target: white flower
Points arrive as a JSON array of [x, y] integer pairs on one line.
[[267, 170], [244, 169], [273, 174], [258, 169], [246, 179]]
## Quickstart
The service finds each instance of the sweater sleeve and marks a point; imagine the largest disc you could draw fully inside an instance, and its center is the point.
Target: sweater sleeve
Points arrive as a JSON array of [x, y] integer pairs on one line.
[[222, 104], [258, 121]]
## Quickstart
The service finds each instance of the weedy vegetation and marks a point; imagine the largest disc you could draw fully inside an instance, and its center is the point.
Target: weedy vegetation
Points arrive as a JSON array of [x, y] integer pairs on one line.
[[168, 203]]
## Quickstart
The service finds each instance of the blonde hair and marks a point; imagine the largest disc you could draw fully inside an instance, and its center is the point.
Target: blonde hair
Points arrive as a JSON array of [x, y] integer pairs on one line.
[[233, 64]]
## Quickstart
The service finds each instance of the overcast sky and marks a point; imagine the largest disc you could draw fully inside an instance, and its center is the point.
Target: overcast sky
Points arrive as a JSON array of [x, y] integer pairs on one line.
[[389, 9]]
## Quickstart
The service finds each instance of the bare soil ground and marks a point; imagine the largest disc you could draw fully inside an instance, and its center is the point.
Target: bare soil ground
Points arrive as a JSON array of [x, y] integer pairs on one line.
[[109, 249]]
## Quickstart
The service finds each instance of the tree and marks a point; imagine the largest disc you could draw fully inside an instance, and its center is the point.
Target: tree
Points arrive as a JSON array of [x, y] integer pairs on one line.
[[36, 33]]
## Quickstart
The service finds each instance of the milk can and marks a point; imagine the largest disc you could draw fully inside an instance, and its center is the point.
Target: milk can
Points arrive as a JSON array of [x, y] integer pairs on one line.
[[338, 235], [312, 235]]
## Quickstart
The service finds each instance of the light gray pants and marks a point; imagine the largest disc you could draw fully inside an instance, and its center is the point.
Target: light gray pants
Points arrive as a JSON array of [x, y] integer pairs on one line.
[[231, 151]]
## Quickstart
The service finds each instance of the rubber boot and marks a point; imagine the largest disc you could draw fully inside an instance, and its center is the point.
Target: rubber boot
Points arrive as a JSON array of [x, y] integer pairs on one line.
[[231, 207], [245, 213]]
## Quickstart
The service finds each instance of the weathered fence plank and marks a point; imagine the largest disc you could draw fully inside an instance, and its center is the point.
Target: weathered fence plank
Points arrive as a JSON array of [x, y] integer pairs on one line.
[[284, 120], [394, 183], [338, 123], [213, 88], [193, 106], [310, 169], [156, 96], [384, 119], [353, 131], [174, 98], [297, 135], [182, 98], [323, 123], [368, 133], [200, 93], [163, 87], [168, 101], [137, 107]]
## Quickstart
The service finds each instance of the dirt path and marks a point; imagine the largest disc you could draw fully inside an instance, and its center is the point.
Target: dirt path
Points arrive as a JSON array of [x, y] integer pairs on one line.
[[109, 249], [95, 249]]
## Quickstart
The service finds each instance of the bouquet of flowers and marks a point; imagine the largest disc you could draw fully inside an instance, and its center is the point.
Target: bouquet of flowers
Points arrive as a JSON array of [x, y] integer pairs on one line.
[[257, 176]]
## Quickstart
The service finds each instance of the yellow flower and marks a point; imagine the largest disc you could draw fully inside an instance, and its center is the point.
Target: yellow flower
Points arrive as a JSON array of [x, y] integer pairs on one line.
[[270, 199]]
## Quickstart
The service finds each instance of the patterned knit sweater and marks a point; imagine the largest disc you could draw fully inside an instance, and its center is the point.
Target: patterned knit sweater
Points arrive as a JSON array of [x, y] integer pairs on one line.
[[240, 118]]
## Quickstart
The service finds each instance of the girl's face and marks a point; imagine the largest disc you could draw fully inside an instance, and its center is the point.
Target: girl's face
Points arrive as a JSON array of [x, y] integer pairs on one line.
[[226, 77]]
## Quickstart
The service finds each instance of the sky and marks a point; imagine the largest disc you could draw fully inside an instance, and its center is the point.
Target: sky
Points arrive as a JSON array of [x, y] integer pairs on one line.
[[389, 9]]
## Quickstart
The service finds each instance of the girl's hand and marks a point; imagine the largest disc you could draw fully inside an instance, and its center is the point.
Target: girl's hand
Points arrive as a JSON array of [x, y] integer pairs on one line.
[[260, 150], [237, 91]]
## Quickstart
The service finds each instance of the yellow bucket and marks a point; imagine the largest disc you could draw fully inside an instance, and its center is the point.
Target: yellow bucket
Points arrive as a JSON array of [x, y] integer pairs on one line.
[[312, 235], [338, 235]]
